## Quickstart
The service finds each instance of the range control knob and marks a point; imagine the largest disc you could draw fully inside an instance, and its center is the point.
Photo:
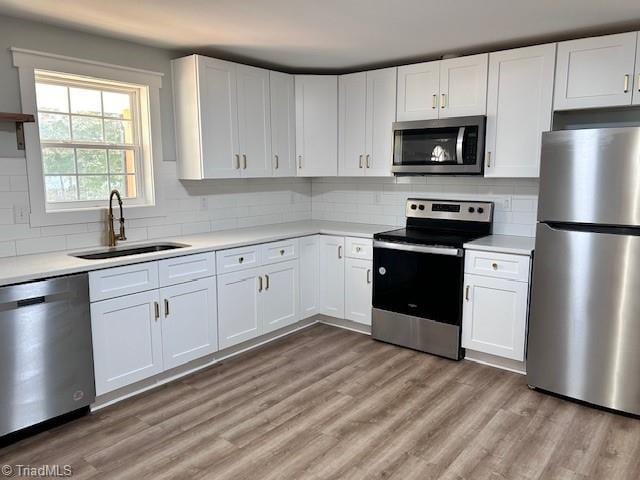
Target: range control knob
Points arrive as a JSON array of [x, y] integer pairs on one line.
[[413, 206], [480, 210], [421, 207], [471, 209]]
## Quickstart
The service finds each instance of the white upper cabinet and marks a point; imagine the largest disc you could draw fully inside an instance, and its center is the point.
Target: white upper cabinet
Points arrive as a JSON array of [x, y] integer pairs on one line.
[[463, 86], [283, 124], [381, 113], [455, 87], [595, 72], [317, 125], [352, 107], [519, 109], [254, 121], [418, 91]]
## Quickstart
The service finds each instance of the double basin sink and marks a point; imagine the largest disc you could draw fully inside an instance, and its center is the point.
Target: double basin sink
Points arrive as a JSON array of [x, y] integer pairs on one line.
[[113, 252]]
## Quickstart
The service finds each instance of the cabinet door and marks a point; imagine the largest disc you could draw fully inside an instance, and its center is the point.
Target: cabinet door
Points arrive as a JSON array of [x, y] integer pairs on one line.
[[595, 72], [636, 83], [283, 124], [127, 340], [381, 113], [332, 276], [317, 125], [219, 118], [358, 278], [494, 318], [309, 285], [238, 309], [351, 123], [418, 89], [279, 301], [519, 109], [463, 86], [254, 121], [189, 321]]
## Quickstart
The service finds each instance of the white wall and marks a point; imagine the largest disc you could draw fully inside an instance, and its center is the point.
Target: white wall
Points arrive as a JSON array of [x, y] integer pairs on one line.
[[382, 200]]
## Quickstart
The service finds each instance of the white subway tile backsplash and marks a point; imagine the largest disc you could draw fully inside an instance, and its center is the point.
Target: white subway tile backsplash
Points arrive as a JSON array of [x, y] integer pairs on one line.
[[41, 245], [7, 249]]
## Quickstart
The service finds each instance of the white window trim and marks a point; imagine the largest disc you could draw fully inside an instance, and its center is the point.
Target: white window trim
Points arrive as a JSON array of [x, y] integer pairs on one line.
[[27, 62]]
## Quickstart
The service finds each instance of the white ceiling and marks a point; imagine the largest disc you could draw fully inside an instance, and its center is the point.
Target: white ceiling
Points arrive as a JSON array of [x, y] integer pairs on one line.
[[333, 34]]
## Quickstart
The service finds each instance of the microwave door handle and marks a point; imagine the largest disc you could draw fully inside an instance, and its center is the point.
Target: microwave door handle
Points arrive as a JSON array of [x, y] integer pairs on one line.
[[459, 143]]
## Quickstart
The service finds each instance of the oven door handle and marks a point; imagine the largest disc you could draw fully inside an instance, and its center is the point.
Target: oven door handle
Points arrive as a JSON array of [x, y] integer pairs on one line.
[[405, 247], [459, 144]]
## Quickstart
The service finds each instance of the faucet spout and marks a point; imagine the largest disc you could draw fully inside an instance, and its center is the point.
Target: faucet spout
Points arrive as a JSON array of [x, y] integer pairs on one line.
[[113, 238]]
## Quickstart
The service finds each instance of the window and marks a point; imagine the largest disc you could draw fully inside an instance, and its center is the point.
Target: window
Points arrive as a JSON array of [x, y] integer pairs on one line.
[[90, 140]]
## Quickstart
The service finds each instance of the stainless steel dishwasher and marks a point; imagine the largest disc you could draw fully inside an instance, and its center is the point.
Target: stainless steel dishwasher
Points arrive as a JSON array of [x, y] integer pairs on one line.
[[46, 355]]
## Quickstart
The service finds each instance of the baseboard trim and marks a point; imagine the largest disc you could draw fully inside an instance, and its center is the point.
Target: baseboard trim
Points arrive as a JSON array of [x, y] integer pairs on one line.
[[344, 324], [496, 362]]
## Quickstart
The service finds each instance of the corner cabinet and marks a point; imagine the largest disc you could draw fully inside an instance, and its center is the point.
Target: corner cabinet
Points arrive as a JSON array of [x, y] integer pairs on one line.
[[453, 87], [519, 109], [222, 119], [495, 303], [316, 125], [597, 72], [367, 110]]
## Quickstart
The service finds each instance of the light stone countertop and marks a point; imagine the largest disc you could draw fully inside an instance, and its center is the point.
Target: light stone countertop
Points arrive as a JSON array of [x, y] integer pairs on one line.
[[503, 244], [26, 268]]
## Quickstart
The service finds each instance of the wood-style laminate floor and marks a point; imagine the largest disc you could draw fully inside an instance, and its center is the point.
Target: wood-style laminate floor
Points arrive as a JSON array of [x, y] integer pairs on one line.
[[329, 403]]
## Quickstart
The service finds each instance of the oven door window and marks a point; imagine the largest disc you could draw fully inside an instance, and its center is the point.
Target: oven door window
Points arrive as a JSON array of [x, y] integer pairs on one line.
[[436, 146], [420, 284]]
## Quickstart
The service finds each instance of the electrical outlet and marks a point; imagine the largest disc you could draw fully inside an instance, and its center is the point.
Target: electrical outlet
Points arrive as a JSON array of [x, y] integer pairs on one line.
[[21, 213], [378, 198], [204, 204], [506, 204]]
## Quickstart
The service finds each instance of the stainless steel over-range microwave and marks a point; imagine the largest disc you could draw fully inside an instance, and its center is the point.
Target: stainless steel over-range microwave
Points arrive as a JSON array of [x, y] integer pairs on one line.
[[450, 146]]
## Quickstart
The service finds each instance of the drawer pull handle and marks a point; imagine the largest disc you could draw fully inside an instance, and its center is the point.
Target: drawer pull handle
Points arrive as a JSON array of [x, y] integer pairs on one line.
[[241, 259], [494, 266], [358, 249], [166, 307], [281, 252], [626, 83], [368, 275]]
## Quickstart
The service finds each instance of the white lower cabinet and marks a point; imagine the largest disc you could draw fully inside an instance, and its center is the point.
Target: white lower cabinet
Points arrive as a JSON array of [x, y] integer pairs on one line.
[[495, 316], [358, 289], [238, 310], [127, 340], [190, 321], [309, 286], [332, 250], [279, 299]]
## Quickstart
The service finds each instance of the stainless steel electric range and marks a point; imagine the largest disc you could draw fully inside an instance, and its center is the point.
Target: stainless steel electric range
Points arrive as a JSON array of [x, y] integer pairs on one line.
[[418, 274]]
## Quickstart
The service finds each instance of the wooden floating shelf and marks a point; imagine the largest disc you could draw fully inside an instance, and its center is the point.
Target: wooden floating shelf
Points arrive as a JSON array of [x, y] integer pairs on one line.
[[20, 119]]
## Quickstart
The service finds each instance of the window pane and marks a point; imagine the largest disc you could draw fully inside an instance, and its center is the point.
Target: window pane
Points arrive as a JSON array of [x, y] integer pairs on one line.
[[53, 126], [85, 101], [52, 97], [118, 131], [121, 161], [61, 188], [87, 129], [117, 105], [125, 184], [93, 187], [91, 161], [58, 160]]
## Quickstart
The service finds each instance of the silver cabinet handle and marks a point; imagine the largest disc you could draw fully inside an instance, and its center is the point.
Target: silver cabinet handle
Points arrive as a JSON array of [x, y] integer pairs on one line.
[[443, 100], [368, 275], [277, 162], [434, 101], [237, 161], [367, 161], [488, 159], [259, 283], [244, 161], [166, 307], [466, 293], [339, 251], [299, 161], [360, 161], [266, 282], [638, 82], [626, 83], [157, 310]]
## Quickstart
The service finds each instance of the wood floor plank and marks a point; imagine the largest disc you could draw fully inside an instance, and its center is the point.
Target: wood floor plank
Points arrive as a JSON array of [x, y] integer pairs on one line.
[[325, 403]]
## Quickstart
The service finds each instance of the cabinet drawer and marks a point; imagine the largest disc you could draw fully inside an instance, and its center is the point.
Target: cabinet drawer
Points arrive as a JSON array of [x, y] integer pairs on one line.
[[118, 281], [236, 259], [279, 251], [359, 248], [184, 269], [500, 265]]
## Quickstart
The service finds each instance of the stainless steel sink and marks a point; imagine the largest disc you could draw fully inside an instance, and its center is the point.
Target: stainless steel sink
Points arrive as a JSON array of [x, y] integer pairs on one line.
[[113, 252]]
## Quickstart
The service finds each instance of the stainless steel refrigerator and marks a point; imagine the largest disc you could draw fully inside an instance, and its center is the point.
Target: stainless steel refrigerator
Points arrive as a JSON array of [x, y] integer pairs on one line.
[[584, 327]]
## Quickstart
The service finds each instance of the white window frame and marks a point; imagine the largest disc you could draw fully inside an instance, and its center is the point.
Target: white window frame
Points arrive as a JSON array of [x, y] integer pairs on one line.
[[148, 84]]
